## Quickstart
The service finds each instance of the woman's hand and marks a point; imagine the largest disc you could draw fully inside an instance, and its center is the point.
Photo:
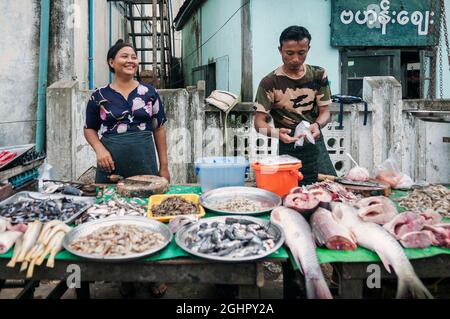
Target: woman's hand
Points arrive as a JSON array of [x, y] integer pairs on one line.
[[104, 160], [164, 172]]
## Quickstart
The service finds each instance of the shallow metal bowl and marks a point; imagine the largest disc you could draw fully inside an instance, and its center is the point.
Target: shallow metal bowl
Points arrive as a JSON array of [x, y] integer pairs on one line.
[[271, 228], [268, 199], [31, 196], [143, 222]]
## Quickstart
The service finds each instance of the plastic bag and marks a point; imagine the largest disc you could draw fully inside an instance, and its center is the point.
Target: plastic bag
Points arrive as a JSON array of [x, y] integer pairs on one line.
[[46, 172], [389, 172], [303, 129]]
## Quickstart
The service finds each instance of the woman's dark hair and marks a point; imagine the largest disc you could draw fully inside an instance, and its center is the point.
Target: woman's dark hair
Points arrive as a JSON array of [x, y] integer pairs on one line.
[[112, 52], [296, 33]]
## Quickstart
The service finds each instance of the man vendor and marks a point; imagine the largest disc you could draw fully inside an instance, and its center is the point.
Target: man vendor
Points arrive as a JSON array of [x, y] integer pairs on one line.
[[292, 93]]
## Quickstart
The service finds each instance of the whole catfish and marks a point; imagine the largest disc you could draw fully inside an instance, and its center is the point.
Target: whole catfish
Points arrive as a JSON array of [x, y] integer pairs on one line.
[[300, 241], [377, 239]]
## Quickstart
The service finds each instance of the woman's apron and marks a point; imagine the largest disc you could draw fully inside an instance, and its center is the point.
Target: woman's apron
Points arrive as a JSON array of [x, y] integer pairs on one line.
[[314, 157], [133, 154]]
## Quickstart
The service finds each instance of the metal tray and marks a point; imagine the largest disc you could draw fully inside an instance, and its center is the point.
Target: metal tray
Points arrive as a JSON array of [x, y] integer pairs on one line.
[[268, 199], [40, 196], [272, 228], [144, 222], [19, 149]]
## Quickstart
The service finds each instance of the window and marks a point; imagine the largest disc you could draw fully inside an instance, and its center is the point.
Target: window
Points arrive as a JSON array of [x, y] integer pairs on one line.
[[206, 73], [405, 65]]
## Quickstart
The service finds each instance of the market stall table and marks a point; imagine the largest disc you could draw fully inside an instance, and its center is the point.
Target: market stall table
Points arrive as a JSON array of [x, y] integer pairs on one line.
[[431, 262], [173, 265]]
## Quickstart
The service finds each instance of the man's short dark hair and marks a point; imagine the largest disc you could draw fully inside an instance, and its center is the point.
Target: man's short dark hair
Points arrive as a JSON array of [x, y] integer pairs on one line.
[[296, 33]]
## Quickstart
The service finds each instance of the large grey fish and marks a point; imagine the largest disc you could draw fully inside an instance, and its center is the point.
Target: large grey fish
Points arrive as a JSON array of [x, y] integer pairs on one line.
[[300, 241], [377, 239]]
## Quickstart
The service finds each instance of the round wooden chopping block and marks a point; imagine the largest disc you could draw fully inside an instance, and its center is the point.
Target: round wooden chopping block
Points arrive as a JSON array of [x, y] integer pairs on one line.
[[370, 191]]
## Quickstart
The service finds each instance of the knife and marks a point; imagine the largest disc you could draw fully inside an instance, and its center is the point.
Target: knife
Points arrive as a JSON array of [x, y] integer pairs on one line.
[[346, 181]]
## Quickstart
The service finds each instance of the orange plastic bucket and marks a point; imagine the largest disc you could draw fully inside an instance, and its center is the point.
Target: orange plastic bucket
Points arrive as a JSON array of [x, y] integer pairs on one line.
[[279, 179]]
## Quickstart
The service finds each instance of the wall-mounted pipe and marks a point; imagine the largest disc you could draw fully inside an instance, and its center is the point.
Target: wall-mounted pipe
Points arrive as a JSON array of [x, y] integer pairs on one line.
[[91, 44], [43, 74]]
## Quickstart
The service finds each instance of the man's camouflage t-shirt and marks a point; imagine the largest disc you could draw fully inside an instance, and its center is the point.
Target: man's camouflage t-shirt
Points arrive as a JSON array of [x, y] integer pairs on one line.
[[290, 101]]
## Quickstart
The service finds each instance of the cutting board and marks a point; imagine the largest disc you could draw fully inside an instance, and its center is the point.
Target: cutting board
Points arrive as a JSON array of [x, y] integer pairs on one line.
[[366, 191]]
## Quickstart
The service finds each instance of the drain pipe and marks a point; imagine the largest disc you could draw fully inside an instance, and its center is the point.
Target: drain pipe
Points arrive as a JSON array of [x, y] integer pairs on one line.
[[91, 44], [43, 74]]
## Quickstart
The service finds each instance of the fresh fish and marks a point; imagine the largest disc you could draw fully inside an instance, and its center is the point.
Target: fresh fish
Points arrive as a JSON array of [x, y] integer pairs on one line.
[[417, 239], [300, 241], [431, 217], [176, 223], [404, 223], [376, 209], [4, 224], [328, 232], [441, 234], [377, 239], [29, 239], [7, 240]]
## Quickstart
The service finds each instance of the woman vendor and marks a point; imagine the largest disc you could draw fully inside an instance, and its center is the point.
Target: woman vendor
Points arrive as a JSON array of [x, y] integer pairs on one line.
[[128, 115]]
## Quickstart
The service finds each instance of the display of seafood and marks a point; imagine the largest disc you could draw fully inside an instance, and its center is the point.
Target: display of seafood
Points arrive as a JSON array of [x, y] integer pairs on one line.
[[173, 206], [435, 197], [68, 188], [26, 210], [238, 204], [303, 202], [374, 237], [419, 230], [337, 191], [359, 174], [9, 234], [118, 240], [299, 239], [39, 241], [115, 206], [328, 232], [233, 238], [376, 209]]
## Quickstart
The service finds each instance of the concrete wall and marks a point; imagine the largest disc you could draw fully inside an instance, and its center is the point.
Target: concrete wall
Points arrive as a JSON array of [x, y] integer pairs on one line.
[[19, 23], [268, 20], [68, 56], [267, 25], [224, 48]]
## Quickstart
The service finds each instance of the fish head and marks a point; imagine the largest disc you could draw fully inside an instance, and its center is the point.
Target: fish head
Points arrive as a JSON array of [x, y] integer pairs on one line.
[[345, 215]]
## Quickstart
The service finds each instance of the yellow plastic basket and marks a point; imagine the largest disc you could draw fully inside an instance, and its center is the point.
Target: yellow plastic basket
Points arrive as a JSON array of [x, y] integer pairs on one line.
[[157, 199]]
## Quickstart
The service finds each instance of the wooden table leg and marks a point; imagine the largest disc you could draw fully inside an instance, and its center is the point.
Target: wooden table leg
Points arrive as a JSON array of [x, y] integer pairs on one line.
[[291, 290], [83, 292], [29, 289], [58, 291]]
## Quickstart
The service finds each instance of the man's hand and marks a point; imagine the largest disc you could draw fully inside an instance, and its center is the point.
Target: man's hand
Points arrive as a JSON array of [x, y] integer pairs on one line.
[[104, 160], [315, 130], [283, 135]]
